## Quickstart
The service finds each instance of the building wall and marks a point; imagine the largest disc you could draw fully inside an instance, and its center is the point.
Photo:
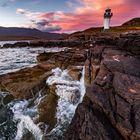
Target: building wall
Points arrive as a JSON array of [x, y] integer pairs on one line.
[[106, 23]]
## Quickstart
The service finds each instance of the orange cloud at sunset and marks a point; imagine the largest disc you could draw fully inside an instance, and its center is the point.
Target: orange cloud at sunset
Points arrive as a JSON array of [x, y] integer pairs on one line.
[[88, 13]]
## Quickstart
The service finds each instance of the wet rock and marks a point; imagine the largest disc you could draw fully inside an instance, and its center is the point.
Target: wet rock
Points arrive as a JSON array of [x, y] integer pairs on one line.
[[25, 83], [8, 45], [47, 109], [75, 73], [43, 127], [44, 56], [47, 66], [54, 43], [21, 44], [68, 59], [36, 43], [28, 136], [7, 98]]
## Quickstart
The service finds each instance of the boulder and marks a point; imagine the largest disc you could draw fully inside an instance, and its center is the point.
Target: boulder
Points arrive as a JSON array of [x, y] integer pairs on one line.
[[47, 108], [28, 135], [25, 83], [75, 73], [8, 45], [21, 44], [36, 44], [44, 56]]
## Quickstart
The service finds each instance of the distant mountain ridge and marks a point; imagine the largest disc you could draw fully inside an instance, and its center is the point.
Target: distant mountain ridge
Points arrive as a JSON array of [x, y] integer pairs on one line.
[[16, 32]]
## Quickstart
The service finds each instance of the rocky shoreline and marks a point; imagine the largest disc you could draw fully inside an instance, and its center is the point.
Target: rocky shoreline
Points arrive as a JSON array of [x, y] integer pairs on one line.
[[110, 108], [43, 43]]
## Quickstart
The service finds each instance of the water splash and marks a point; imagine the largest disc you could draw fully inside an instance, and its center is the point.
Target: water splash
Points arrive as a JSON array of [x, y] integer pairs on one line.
[[24, 115], [70, 94], [82, 85]]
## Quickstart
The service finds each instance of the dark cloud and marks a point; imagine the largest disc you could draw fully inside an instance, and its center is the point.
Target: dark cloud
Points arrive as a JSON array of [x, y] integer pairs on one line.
[[53, 29], [43, 23], [45, 26]]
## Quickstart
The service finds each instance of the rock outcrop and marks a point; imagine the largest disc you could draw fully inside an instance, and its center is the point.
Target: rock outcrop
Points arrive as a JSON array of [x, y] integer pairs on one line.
[[44, 43], [111, 107]]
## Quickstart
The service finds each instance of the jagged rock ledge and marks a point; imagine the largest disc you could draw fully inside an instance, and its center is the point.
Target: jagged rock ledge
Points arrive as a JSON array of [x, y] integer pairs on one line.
[[38, 43], [111, 107]]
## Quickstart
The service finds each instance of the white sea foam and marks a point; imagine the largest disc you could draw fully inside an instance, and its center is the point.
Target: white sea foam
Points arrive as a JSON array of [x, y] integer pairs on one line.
[[70, 94], [22, 114], [82, 85]]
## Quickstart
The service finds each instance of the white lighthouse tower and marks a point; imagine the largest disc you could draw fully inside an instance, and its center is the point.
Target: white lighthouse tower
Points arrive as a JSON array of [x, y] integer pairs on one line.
[[107, 17]]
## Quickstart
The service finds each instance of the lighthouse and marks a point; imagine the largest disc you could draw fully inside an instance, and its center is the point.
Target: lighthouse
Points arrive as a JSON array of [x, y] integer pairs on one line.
[[107, 17]]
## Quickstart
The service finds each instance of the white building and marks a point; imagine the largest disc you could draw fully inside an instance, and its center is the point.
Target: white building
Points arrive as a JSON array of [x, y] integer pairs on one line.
[[107, 17]]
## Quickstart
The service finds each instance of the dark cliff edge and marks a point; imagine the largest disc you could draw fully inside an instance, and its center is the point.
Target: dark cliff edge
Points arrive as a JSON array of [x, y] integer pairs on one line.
[[110, 109]]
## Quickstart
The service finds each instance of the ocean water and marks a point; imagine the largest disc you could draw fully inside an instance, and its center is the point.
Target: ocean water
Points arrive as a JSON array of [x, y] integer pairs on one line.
[[13, 59]]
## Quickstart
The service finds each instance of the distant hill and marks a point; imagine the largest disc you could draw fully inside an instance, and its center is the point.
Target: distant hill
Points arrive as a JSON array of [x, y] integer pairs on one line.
[[132, 22], [15, 33], [129, 26]]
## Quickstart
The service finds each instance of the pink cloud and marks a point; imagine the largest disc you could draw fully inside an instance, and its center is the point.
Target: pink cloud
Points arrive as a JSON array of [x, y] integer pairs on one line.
[[88, 13]]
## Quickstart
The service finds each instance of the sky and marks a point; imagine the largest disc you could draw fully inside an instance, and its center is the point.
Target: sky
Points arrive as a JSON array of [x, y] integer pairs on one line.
[[65, 15]]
